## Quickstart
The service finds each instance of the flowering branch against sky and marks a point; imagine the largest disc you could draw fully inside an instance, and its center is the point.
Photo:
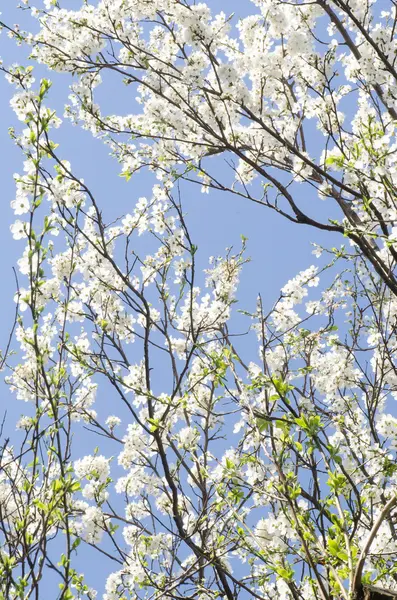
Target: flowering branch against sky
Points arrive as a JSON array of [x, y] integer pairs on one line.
[[194, 433]]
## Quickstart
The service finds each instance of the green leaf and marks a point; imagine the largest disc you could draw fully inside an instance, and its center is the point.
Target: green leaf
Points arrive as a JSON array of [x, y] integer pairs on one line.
[[230, 464], [262, 424], [281, 386], [57, 485], [333, 547], [286, 574], [336, 481], [155, 424]]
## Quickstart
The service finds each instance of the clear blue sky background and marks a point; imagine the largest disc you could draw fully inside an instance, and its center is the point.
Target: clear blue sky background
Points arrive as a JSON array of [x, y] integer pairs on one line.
[[278, 248]]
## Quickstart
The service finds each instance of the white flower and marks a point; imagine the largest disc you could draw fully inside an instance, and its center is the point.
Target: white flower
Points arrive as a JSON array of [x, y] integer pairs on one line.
[[112, 422], [92, 466], [20, 205], [25, 423], [18, 230], [188, 438]]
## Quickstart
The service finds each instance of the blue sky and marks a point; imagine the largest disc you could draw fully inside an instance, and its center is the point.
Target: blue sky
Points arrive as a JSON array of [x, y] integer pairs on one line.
[[278, 248]]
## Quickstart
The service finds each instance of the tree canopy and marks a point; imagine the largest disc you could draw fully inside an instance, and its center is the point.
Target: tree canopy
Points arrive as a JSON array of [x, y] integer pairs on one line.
[[223, 465]]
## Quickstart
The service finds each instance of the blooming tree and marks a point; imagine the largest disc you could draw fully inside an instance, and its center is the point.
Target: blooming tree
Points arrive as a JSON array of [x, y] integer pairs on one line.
[[262, 467]]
